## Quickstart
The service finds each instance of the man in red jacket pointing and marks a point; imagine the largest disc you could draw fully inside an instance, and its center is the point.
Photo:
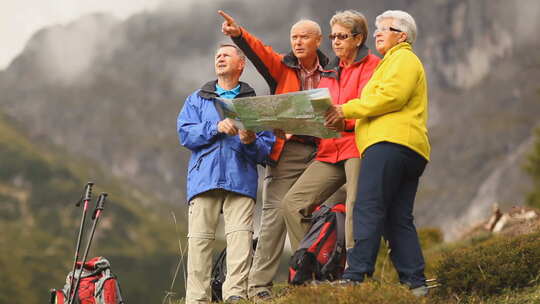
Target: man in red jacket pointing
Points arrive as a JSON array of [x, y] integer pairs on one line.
[[298, 70]]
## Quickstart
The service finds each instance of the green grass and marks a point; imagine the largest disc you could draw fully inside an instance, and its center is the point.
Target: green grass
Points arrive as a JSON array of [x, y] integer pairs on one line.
[[512, 275]]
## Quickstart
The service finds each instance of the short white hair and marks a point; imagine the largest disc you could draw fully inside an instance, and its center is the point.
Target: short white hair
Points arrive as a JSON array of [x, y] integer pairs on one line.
[[313, 26], [402, 21]]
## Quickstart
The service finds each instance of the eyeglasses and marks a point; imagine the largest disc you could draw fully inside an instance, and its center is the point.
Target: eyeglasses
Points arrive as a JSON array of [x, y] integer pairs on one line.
[[386, 29], [341, 36]]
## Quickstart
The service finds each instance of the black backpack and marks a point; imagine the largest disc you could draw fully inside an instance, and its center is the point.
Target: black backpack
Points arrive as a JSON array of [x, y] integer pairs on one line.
[[321, 255], [219, 272]]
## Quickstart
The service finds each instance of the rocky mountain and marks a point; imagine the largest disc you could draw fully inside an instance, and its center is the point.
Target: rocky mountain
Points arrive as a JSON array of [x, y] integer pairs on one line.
[[109, 90]]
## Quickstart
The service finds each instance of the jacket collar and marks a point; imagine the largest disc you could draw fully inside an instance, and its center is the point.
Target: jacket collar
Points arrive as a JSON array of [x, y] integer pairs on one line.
[[292, 62], [399, 46], [208, 90], [333, 65]]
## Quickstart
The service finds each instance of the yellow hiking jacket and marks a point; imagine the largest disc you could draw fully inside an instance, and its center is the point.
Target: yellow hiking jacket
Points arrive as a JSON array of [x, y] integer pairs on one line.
[[393, 106]]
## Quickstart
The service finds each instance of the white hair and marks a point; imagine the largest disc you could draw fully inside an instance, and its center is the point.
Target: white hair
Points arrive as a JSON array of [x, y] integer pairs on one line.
[[314, 26], [402, 21]]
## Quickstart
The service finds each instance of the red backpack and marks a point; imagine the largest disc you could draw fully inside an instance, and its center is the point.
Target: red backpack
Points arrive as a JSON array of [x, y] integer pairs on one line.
[[97, 285], [321, 255]]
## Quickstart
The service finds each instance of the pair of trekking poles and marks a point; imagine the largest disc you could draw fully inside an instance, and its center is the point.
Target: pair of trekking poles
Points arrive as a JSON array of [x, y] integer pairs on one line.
[[85, 199]]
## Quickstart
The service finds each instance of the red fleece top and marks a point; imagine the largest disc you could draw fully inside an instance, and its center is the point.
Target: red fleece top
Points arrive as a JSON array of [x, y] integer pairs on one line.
[[345, 84]]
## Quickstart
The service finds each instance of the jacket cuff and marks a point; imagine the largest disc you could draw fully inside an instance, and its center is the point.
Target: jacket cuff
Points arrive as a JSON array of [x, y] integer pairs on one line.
[[277, 148], [213, 129], [240, 37], [349, 125]]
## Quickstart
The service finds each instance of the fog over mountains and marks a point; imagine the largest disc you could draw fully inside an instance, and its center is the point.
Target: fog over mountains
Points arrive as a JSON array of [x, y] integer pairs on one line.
[[110, 91]]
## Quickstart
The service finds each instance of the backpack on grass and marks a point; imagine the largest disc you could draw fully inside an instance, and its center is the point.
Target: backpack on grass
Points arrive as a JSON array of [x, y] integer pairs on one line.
[[97, 285], [219, 272], [321, 255]]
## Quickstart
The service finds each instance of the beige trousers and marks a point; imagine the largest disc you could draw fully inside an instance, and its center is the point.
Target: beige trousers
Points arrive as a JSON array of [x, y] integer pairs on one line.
[[204, 212], [318, 182], [278, 180]]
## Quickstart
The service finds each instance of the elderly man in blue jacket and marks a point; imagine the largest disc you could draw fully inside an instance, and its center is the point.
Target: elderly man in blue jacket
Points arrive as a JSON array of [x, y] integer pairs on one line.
[[222, 178]]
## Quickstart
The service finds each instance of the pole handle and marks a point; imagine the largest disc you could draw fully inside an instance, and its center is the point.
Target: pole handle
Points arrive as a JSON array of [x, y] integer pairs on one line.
[[100, 205], [88, 191], [87, 196]]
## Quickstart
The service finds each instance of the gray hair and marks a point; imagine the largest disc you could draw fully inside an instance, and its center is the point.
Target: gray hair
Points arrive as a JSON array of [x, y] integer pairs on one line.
[[316, 27], [403, 21], [238, 50], [353, 20]]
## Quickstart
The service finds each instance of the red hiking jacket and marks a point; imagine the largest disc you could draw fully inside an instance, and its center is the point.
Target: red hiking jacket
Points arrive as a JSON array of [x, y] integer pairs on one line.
[[345, 83]]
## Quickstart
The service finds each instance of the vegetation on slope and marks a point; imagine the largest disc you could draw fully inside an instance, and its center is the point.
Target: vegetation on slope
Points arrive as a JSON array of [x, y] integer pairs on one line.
[[39, 224], [481, 270], [532, 167]]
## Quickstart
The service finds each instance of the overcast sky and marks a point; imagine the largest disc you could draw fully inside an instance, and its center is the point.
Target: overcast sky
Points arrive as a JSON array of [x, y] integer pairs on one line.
[[19, 19]]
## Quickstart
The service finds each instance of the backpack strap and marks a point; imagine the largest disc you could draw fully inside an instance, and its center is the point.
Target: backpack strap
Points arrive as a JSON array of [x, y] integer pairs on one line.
[[99, 291], [340, 243], [217, 279]]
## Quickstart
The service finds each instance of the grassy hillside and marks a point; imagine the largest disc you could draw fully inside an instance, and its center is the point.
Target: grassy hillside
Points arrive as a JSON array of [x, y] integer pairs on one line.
[[485, 269], [39, 222]]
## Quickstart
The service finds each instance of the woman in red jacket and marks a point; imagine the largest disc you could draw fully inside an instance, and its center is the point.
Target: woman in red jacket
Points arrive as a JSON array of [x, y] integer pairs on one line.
[[337, 161]]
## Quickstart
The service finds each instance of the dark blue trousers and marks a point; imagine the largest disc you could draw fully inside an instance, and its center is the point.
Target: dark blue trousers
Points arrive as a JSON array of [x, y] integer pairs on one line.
[[387, 186]]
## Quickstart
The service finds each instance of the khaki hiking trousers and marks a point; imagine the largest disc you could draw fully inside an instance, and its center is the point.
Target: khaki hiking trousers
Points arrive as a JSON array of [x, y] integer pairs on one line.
[[203, 219], [278, 180]]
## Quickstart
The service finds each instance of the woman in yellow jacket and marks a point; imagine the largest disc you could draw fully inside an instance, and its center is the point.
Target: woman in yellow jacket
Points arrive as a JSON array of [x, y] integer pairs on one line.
[[392, 137]]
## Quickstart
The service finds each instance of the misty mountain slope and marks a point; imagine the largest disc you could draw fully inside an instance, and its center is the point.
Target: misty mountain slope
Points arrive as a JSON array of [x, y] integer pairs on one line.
[[485, 131], [39, 221], [115, 98]]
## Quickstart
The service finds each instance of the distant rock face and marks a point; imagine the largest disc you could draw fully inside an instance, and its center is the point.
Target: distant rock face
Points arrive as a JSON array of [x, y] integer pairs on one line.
[[110, 90]]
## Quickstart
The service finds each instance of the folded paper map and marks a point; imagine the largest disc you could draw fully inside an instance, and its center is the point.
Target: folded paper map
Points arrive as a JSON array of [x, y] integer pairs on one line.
[[299, 113]]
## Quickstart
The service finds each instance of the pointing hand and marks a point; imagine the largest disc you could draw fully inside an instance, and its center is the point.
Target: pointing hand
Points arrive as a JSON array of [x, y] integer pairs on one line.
[[229, 26]]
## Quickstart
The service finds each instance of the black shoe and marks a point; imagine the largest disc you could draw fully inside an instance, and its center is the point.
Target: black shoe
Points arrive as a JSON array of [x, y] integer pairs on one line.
[[346, 283], [234, 299], [262, 297]]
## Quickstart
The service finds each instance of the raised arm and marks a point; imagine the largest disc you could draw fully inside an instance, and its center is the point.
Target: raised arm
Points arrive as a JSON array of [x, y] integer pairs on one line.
[[264, 58]]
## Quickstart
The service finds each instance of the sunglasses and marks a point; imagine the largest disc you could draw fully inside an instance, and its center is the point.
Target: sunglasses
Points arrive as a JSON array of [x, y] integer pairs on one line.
[[386, 29], [341, 36]]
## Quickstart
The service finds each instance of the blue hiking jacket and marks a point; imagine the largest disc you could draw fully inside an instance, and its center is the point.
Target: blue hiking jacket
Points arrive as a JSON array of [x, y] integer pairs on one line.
[[219, 161]]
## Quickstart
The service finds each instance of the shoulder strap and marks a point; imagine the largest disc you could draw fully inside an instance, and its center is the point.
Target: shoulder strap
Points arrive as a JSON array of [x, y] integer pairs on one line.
[[99, 290], [339, 249], [340, 243]]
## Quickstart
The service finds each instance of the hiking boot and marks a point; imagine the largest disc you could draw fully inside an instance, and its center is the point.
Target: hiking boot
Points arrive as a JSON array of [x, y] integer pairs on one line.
[[346, 283], [262, 296], [234, 299], [420, 291]]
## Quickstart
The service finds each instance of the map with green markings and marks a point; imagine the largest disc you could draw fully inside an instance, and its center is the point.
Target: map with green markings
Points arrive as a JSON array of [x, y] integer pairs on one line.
[[299, 113]]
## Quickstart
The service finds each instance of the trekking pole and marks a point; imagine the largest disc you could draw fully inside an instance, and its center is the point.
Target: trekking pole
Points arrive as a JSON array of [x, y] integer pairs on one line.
[[87, 196], [95, 217]]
